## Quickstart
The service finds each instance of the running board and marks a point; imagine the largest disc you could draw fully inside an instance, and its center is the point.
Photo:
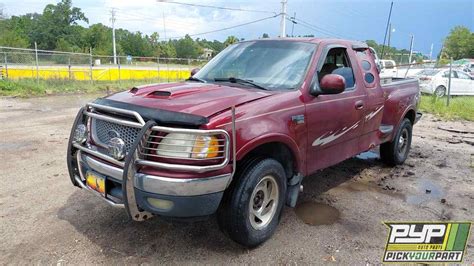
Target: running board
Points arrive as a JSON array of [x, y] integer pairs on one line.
[[386, 129]]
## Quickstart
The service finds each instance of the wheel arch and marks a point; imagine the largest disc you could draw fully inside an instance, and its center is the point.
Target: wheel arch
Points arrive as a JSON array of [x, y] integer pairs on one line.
[[277, 146]]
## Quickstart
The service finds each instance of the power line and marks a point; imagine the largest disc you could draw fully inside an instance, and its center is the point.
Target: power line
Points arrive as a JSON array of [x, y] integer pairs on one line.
[[216, 7], [315, 28], [227, 28]]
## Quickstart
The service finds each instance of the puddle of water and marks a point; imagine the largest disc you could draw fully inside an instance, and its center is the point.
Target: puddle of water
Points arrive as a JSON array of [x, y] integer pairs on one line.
[[426, 190], [368, 155], [314, 213]]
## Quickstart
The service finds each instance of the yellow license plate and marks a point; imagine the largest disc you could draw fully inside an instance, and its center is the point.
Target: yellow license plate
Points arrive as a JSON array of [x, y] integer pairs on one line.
[[95, 182]]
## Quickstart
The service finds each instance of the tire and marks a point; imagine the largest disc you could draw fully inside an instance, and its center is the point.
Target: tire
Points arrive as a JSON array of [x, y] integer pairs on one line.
[[258, 188], [440, 91], [396, 151]]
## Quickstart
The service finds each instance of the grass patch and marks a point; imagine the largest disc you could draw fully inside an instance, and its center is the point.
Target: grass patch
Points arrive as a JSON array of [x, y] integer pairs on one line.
[[29, 87], [460, 107]]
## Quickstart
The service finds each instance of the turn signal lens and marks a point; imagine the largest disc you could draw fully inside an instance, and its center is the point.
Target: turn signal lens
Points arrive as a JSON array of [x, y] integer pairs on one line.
[[205, 147]]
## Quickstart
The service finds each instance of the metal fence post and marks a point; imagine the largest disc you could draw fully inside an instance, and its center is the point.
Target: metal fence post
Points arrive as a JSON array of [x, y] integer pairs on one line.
[[449, 80], [90, 63], [118, 65], [69, 67], [37, 67], [168, 68], [6, 65], [158, 73]]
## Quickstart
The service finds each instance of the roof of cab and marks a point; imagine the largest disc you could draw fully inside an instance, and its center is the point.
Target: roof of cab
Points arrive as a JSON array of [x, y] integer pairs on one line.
[[316, 40]]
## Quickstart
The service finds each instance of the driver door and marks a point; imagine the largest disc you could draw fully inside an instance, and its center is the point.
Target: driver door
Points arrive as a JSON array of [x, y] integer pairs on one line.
[[335, 121]]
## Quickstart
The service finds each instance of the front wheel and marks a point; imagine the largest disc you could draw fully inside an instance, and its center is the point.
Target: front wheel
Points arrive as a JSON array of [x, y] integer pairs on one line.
[[251, 207], [396, 151], [440, 91]]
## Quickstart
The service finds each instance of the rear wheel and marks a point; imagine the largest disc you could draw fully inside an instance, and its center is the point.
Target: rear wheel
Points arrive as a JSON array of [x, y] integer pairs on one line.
[[440, 91], [396, 151], [251, 207]]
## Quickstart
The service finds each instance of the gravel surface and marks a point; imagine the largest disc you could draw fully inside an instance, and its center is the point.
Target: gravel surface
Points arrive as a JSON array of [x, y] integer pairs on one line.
[[45, 220]]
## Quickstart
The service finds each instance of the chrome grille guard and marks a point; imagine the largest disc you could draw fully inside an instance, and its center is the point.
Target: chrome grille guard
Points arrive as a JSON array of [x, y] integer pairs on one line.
[[133, 157]]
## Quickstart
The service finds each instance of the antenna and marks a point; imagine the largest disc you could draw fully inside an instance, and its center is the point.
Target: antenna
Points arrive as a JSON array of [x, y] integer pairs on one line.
[[386, 30]]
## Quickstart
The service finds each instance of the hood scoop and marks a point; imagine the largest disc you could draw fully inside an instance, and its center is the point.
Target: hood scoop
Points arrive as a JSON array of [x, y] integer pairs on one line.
[[160, 94]]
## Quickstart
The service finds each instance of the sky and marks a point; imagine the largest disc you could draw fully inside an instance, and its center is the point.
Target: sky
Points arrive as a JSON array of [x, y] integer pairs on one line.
[[428, 20]]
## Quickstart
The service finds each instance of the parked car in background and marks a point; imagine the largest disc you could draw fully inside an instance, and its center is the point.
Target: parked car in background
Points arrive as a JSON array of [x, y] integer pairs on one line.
[[388, 68], [469, 68], [435, 81]]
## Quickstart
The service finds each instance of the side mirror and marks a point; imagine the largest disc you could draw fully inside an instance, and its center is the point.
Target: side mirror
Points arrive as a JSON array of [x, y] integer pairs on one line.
[[332, 84], [194, 71]]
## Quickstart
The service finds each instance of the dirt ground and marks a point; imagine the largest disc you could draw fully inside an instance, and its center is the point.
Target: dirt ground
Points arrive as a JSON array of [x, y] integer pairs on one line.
[[45, 220]]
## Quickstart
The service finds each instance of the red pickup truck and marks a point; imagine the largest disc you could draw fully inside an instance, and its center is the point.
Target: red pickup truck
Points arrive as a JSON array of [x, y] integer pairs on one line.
[[239, 135]]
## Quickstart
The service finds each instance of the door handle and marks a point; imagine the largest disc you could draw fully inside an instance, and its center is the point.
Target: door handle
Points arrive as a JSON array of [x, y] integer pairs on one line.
[[359, 105]]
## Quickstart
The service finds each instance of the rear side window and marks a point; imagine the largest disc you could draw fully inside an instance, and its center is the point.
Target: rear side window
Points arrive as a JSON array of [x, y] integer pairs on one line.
[[337, 62], [366, 60]]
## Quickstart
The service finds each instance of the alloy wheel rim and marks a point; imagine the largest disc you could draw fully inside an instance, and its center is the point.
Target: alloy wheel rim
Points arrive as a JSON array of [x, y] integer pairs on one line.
[[403, 142], [263, 202]]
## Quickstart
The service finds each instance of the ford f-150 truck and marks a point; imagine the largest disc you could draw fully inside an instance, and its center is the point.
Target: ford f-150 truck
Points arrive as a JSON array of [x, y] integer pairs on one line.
[[239, 135]]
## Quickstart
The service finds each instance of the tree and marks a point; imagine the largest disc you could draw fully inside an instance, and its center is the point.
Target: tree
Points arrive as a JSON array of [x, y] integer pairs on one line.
[[55, 22], [265, 35], [187, 48], [167, 50], [459, 43], [231, 40]]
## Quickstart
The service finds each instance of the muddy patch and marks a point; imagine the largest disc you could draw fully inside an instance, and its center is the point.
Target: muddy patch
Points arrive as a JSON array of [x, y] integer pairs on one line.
[[370, 186], [314, 213]]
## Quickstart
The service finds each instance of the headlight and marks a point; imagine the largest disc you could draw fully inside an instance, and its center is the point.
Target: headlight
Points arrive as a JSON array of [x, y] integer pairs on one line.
[[80, 134], [188, 146]]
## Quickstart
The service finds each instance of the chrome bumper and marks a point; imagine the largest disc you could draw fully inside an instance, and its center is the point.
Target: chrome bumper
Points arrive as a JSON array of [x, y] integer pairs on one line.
[[160, 184]]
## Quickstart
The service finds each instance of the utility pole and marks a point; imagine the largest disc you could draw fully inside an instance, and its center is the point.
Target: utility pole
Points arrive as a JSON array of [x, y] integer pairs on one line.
[[164, 24], [112, 19], [411, 54], [293, 24], [411, 48], [283, 19], [431, 51]]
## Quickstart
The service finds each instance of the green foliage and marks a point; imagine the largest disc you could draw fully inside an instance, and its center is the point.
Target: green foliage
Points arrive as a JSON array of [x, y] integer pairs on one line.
[[459, 43], [187, 48], [460, 107], [29, 87], [401, 56], [231, 40]]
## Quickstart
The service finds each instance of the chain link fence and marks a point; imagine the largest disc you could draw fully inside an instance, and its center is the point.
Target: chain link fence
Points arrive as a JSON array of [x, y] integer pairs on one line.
[[19, 63]]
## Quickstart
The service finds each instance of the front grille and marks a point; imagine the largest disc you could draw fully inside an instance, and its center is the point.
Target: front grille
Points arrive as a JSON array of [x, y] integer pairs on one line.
[[103, 131]]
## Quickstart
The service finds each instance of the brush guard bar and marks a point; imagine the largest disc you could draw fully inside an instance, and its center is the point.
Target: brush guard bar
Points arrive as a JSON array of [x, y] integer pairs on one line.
[[135, 158]]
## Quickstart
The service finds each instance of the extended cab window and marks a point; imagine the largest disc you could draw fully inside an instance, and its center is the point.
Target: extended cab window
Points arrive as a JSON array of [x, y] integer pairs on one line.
[[337, 62]]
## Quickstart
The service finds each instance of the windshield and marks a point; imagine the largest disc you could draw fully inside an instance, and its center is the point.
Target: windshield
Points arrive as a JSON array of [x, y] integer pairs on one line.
[[428, 72], [275, 65]]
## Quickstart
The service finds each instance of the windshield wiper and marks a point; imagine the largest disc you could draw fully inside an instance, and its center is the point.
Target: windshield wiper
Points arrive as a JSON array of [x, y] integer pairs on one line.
[[240, 81], [196, 79]]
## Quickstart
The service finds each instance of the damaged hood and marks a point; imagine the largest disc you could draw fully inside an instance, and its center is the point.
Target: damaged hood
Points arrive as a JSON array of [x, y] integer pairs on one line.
[[203, 99]]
